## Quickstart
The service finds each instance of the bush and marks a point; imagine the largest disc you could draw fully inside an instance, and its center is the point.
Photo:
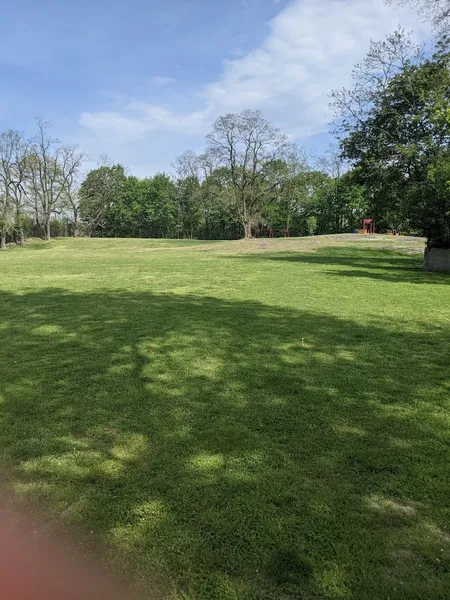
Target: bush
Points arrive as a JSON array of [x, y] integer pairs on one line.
[[311, 225], [59, 228]]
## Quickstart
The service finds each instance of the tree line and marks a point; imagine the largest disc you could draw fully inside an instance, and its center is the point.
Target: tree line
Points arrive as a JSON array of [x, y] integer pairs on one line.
[[392, 164], [250, 180]]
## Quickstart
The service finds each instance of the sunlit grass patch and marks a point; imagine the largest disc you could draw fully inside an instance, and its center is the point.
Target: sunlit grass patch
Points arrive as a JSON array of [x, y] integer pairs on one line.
[[238, 421]]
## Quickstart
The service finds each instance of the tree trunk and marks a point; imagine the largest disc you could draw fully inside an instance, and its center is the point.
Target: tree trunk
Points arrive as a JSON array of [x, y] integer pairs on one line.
[[247, 230], [288, 221], [47, 230], [3, 240], [19, 230], [337, 223]]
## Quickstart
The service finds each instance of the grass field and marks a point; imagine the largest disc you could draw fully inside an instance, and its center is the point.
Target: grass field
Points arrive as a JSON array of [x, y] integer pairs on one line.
[[264, 420]]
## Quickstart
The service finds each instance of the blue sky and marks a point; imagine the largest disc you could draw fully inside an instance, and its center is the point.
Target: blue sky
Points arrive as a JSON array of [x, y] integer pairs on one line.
[[143, 80]]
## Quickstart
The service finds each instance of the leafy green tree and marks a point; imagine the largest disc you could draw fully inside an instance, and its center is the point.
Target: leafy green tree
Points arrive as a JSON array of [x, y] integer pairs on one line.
[[221, 215], [341, 205], [122, 216], [395, 128], [101, 189], [298, 199], [311, 224], [154, 208], [163, 206], [189, 208]]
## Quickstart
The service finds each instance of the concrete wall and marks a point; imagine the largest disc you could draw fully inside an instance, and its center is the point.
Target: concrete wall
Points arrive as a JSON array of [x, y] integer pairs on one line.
[[437, 259]]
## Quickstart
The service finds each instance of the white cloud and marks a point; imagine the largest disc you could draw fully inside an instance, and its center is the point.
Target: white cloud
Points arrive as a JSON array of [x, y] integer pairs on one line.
[[139, 118], [311, 48]]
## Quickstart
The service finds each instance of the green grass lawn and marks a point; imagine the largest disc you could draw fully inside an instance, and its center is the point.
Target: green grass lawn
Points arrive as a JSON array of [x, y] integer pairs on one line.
[[261, 420]]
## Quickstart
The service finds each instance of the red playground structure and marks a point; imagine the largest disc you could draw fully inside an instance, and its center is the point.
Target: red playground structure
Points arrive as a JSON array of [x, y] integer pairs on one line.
[[368, 226], [270, 231]]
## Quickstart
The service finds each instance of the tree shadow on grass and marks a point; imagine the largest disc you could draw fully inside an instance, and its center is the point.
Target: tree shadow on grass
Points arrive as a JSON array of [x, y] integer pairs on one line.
[[378, 264], [239, 450]]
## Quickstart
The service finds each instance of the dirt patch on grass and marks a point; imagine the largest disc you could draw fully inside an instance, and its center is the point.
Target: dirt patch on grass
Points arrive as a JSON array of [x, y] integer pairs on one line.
[[404, 244]]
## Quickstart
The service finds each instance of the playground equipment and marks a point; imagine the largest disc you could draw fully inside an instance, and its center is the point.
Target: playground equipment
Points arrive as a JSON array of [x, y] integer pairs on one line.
[[368, 227], [270, 232]]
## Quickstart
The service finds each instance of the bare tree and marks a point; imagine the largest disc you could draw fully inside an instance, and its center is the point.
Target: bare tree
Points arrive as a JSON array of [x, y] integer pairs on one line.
[[71, 162], [13, 172], [186, 165], [332, 163], [371, 78], [53, 171], [6, 218], [248, 145], [104, 160], [45, 179], [435, 11]]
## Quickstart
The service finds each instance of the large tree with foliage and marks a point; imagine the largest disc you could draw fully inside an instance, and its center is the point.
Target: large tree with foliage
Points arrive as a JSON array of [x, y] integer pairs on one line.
[[395, 127], [101, 189], [248, 145]]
